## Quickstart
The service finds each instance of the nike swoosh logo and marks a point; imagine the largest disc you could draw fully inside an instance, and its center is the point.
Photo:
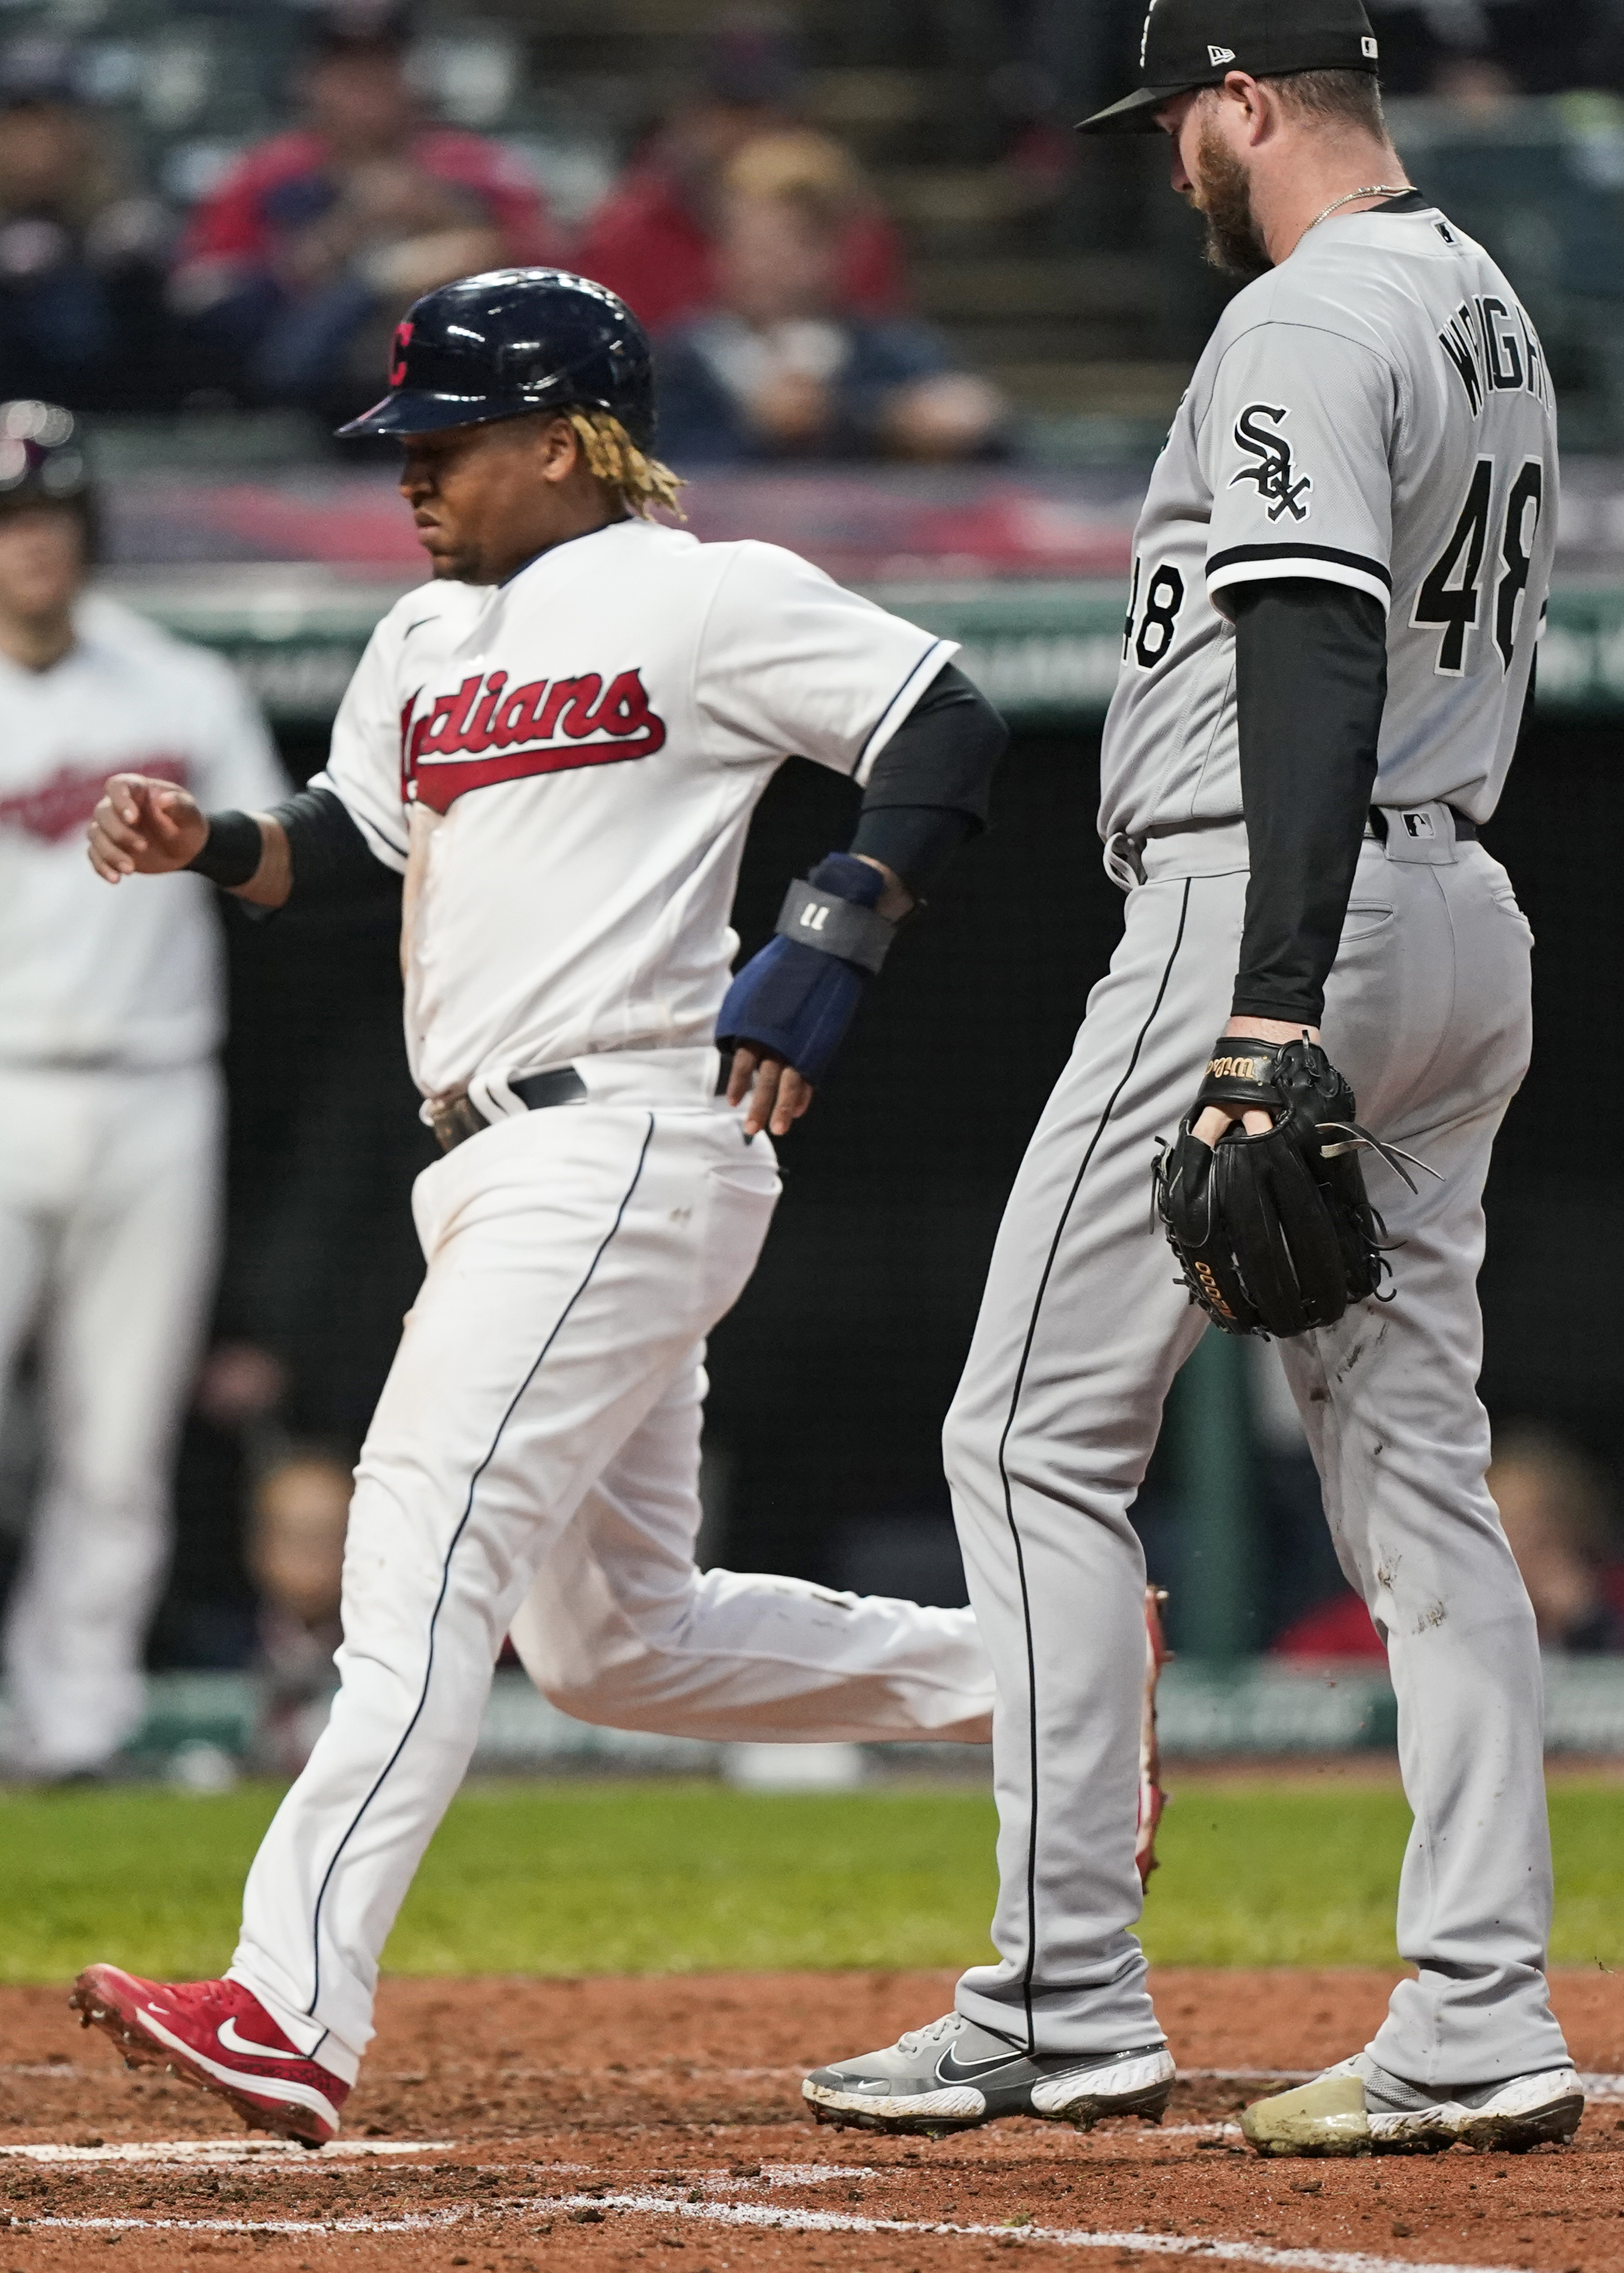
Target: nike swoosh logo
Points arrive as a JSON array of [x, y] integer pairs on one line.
[[949, 2071], [227, 2035]]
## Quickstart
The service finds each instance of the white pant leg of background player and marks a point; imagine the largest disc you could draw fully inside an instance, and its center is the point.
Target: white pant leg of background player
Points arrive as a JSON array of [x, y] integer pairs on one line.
[[25, 1254], [620, 1628], [124, 1176], [1388, 1396], [1081, 1329]]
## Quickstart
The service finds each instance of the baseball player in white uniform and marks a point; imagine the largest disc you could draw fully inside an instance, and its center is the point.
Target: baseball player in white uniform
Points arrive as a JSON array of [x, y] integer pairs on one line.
[[1339, 575], [111, 1010], [559, 744]]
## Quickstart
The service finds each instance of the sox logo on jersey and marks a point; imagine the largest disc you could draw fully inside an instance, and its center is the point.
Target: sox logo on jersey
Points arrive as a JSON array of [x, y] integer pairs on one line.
[[1274, 468], [483, 733]]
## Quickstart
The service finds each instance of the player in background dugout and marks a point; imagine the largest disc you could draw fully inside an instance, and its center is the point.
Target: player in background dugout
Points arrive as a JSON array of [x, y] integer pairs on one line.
[[301, 262], [111, 1009], [653, 240]]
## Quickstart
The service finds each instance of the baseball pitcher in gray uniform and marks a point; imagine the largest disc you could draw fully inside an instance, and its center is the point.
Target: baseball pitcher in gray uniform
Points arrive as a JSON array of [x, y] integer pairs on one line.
[[1338, 584]]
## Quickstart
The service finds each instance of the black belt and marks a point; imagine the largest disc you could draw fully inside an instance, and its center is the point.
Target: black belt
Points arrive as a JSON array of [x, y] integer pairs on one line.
[[562, 1086], [455, 1119], [1465, 827]]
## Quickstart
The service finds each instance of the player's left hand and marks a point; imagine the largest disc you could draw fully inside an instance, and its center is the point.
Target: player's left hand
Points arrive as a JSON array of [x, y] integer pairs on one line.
[[778, 1095], [1217, 1118], [146, 827]]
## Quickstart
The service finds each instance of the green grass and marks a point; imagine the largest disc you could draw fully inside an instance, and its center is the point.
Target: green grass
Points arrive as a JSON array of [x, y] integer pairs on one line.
[[575, 1877]]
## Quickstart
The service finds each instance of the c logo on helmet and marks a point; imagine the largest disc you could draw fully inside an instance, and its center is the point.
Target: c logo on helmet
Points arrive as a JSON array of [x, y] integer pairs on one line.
[[403, 340]]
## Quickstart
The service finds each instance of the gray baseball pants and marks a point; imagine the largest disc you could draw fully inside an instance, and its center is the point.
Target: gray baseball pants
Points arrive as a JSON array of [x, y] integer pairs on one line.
[[1081, 1332]]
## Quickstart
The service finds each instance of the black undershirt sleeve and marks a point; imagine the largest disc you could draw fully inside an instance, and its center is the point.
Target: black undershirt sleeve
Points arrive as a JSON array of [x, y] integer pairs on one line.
[[330, 858], [929, 789], [1311, 683]]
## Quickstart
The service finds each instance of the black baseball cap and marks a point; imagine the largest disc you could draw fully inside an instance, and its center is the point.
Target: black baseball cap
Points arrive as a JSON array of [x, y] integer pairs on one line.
[[1190, 43]]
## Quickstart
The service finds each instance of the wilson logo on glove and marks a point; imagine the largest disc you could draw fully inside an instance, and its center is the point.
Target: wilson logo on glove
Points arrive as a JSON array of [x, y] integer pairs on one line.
[[1276, 1234], [487, 732]]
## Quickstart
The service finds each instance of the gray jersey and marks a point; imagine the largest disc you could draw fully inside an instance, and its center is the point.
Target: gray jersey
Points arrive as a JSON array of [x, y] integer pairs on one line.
[[1376, 412]]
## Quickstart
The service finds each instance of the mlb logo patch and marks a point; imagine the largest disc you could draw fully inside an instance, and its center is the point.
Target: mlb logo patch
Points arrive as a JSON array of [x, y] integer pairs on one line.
[[1419, 824]]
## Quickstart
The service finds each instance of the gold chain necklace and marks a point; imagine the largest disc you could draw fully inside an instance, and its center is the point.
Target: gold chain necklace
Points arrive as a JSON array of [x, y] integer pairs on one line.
[[1372, 190]]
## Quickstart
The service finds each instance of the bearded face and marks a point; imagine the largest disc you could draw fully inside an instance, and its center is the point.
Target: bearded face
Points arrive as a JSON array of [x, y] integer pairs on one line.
[[1222, 194]]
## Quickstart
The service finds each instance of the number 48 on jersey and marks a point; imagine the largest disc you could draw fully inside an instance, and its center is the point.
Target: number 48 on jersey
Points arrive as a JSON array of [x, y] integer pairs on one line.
[[1451, 597]]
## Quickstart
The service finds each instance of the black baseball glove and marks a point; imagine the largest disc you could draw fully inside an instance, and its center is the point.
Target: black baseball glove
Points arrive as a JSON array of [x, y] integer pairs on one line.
[[1274, 1234]]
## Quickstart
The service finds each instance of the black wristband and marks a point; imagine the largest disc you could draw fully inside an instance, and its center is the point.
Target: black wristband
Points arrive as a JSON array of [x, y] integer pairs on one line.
[[821, 919], [232, 849]]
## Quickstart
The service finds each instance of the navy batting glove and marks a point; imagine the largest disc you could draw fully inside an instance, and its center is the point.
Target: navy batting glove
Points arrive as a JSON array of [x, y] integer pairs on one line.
[[796, 998]]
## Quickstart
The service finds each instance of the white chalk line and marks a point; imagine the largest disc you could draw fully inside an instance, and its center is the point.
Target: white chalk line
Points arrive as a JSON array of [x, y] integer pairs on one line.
[[287, 2152], [426, 2222], [1162, 2244], [765, 2217], [229, 2150]]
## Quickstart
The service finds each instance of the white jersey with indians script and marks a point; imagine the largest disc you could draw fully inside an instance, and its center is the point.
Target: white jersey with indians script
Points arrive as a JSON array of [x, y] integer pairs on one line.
[[130, 976], [563, 768], [1376, 412]]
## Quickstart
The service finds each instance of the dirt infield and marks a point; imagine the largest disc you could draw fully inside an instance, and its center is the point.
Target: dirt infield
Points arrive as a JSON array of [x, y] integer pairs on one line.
[[591, 2124]]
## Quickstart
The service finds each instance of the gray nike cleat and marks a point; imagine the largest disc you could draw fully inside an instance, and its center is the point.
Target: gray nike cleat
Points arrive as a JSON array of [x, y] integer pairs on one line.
[[1357, 2108], [955, 2074]]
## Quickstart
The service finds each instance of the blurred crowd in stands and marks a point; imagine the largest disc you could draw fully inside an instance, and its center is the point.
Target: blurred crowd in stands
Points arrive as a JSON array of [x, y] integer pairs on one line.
[[228, 269], [750, 246]]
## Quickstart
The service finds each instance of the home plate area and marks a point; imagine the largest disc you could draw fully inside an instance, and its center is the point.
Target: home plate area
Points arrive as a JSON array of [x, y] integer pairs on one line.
[[518, 2124]]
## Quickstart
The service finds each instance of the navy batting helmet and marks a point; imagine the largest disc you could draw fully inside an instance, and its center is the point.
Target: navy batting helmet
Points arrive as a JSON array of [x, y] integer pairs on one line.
[[515, 339]]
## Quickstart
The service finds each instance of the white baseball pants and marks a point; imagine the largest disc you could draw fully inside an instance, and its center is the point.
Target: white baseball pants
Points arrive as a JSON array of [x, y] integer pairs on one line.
[[533, 1465], [1082, 1331], [109, 1224]]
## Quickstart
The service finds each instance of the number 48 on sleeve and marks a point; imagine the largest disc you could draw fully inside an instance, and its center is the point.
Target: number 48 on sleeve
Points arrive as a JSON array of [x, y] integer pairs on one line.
[[1147, 637]]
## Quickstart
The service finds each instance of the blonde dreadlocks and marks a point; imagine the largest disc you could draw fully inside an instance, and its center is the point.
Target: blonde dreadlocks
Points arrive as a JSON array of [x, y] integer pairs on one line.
[[640, 482]]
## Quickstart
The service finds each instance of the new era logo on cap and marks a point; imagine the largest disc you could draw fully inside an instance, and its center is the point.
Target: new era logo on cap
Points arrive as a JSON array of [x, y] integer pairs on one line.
[[1220, 55]]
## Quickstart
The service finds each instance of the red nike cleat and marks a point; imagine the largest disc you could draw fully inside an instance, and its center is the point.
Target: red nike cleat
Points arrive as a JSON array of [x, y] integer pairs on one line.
[[219, 2035]]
